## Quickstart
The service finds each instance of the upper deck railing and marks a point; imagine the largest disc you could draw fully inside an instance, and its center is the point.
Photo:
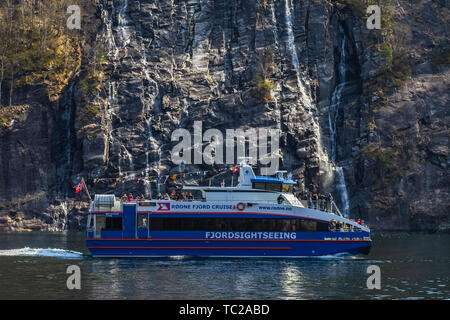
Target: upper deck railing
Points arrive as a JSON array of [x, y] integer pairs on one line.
[[326, 205]]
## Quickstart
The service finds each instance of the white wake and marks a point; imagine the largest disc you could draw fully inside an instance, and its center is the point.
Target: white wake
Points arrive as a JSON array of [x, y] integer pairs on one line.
[[40, 252]]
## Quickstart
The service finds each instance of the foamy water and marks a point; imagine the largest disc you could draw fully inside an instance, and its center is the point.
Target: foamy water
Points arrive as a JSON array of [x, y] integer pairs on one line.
[[40, 252]]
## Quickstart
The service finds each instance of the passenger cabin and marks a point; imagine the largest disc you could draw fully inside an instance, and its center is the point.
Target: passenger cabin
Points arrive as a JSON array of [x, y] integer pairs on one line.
[[112, 219], [252, 189]]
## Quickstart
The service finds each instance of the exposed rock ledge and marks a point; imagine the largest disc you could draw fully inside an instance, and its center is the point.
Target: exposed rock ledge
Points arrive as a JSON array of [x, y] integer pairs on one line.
[[34, 213]]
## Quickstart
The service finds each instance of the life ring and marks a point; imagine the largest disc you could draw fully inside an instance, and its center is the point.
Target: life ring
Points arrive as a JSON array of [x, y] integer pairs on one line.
[[240, 206]]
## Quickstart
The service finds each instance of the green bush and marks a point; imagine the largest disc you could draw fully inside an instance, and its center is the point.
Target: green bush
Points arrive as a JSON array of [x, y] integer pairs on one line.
[[87, 114], [263, 89], [385, 50], [393, 73]]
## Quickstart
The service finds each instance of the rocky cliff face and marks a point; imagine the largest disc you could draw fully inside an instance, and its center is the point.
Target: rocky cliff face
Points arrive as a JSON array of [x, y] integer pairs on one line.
[[380, 145]]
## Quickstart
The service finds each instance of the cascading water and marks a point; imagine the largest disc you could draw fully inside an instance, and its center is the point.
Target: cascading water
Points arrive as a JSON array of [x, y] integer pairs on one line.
[[291, 45], [341, 186], [113, 52], [112, 102], [147, 107], [66, 215], [148, 187], [333, 118], [129, 157], [274, 23], [303, 95], [337, 94], [69, 125], [159, 170], [123, 24]]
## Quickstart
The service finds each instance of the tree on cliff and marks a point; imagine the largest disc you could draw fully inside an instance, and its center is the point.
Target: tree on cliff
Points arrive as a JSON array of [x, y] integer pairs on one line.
[[36, 46]]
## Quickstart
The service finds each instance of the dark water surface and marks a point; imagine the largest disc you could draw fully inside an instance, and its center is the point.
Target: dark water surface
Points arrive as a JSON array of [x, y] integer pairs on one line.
[[33, 266]]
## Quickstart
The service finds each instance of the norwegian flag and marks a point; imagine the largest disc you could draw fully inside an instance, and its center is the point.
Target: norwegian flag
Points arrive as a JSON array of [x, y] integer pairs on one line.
[[79, 187]]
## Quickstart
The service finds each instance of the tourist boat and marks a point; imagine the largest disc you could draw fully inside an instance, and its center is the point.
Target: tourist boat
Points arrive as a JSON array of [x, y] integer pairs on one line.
[[260, 217]]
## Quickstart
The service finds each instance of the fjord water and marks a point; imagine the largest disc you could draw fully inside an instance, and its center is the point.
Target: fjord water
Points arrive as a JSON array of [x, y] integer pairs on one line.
[[33, 266]]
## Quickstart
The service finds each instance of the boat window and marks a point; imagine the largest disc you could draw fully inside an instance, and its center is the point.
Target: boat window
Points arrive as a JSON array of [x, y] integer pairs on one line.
[[273, 186], [142, 221], [99, 224], [113, 224], [236, 224], [90, 223], [259, 185], [308, 225]]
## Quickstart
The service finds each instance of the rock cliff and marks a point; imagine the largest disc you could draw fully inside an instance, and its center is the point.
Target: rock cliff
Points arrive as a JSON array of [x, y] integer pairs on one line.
[[363, 113]]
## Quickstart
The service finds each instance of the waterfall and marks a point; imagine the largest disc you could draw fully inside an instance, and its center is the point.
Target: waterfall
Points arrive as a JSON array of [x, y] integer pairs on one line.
[[333, 112], [113, 52], [291, 45], [69, 112], [303, 85], [274, 23], [303, 94], [112, 47], [148, 187], [156, 111], [341, 186], [333, 115], [123, 21], [159, 170], [129, 158], [112, 94], [66, 215], [68, 125]]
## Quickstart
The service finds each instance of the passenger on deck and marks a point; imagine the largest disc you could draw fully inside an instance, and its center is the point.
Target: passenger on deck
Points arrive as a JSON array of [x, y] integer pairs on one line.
[[280, 199], [142, 197], [130, 197], [332, 225], [124, 198], [173, 195], [321, 202], [181, 197], [330, 203], [166, 196], [190, 197], [316, 201], [137, 198], [159, 196]]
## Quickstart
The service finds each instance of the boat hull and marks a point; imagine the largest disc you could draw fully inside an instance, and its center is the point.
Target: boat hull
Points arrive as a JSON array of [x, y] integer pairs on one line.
[[304, 245]]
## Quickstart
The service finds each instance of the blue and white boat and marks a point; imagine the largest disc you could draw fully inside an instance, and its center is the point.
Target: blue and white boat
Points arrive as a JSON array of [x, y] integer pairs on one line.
[[260, 217]]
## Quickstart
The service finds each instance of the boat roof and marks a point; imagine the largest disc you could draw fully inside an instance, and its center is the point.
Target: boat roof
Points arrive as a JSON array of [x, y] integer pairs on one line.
[[272, 180]]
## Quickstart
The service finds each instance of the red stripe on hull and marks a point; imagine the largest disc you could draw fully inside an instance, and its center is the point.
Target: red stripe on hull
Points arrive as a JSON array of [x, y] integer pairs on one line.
[[251, 248]]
